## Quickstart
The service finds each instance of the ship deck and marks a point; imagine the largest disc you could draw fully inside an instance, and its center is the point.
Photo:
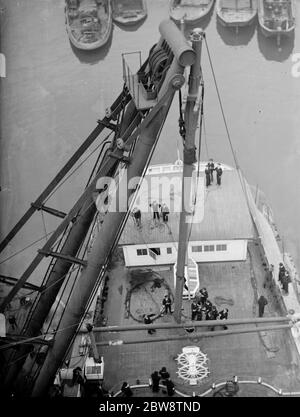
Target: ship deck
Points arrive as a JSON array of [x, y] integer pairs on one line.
[[235, 285]]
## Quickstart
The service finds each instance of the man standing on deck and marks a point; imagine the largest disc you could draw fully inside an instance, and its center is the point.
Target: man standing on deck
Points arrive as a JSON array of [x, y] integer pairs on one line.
[[285, 282], [155, 208], [281, 272], [194, 308], [211, 167], [223, 315], [207, 175], [262, 302], [167, 304], [165, 212], [219, 174], [137, 216], [149, 320]]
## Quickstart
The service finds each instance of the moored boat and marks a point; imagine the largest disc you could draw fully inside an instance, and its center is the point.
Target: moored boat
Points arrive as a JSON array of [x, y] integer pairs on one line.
[[236, 13], [276, 17], [129, 12], [190, 10], [88, 22]]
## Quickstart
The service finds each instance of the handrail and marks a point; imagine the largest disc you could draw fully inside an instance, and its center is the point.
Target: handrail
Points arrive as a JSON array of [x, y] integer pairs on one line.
[[215, 386]]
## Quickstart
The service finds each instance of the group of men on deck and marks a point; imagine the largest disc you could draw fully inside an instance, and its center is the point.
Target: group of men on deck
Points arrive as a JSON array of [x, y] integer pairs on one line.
[[160, 211], [203, 309], [209, 170], [284, 278]]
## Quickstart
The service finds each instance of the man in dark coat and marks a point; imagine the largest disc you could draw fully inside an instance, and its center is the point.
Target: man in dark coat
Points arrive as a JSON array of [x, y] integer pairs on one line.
[[149, 320], [194, 308], [207, 175], [219, 171], [223, 315], [155, 381], [170, 388], [285, 282], [137, 216], [214, 314], [281, 272], [203, 295], [164, 374], [167, 302], [127, 392], [262, 302], [211, 167]]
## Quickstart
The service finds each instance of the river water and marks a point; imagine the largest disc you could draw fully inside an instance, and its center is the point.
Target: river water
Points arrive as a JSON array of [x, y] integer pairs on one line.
[[53, 95]]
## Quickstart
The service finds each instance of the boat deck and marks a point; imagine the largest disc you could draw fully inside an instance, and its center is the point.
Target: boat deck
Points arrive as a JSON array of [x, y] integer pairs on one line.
[[235, 285], [190, 10], [278, 15]]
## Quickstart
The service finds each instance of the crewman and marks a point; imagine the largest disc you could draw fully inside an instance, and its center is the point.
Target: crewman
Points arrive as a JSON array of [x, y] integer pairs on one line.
[[149, 320], [155, 208], [155, 381], [167, 302], [170, 387], [285, 282], [223, 315], [262, 302], [137, 215], [281, 272], [211, 167], [219, 171], [214, 314], [127, 392], [207, 175], [164, 374], [203, 295], [165, 212], [194, 308]]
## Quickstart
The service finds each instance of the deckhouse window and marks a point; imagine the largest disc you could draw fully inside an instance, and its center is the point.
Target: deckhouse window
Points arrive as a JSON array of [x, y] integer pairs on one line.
[[196, 248], [209, 248], [169, 250], [155, 250], [141, 252], [221, 247]]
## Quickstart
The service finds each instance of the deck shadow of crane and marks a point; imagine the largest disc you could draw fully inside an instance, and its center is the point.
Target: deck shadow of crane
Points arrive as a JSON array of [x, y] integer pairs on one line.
[[233, 38]]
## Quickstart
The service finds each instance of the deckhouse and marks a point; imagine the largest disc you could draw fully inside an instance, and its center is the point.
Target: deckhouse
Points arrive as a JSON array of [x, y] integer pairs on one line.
[[221, 223]]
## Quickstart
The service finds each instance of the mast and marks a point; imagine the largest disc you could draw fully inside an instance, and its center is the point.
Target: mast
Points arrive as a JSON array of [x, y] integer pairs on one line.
[[189, 158]]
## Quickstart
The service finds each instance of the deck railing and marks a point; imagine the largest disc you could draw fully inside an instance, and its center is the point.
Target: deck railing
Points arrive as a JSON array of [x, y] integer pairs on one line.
[[219, 388]]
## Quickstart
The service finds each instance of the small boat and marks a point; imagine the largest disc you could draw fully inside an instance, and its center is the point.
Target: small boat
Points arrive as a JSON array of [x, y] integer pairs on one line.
[[88, 22], [129, 12], [236, 13], [276, 17], [191, 11]]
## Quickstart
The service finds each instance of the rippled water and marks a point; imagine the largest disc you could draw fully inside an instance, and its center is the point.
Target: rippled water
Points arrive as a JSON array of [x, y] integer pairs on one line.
[[53, 95]]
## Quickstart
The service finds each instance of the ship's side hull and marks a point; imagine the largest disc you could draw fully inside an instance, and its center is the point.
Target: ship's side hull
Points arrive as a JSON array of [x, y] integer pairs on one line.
[[77, 43], [190, 14], [235, 17], [128, 17]]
